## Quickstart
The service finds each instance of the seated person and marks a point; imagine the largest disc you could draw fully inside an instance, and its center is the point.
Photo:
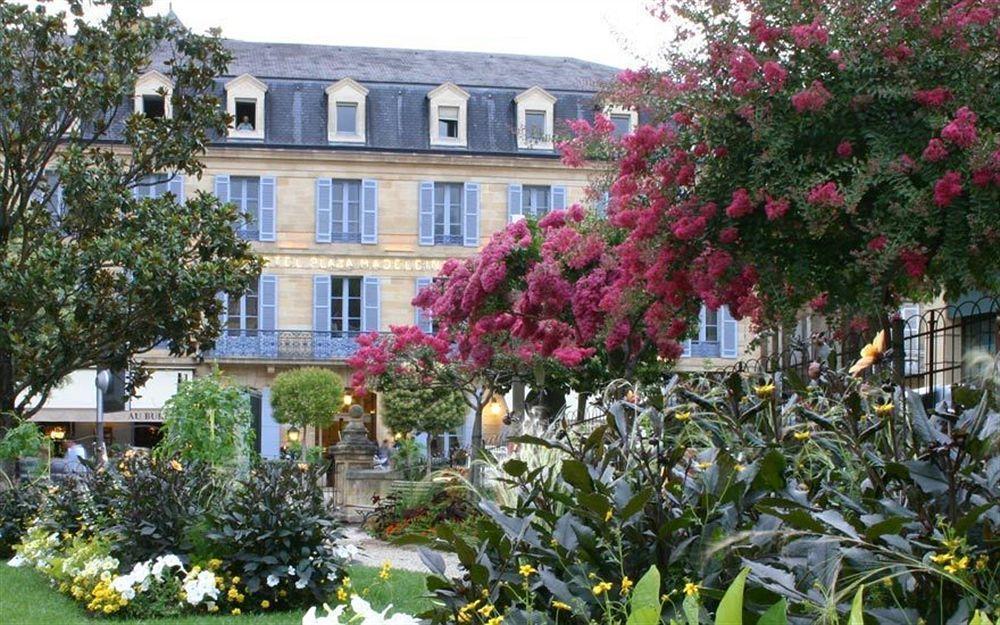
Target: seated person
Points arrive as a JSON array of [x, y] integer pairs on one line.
[[245, 124]]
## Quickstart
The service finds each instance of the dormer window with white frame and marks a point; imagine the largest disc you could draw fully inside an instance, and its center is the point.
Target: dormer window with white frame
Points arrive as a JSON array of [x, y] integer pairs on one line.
[[245, 102], [448, 114], [346, 112], [153, 92], [624, 120], [535, 119]]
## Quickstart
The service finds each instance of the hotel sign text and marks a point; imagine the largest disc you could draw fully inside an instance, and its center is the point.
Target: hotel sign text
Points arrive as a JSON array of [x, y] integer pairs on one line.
[[416, 265]]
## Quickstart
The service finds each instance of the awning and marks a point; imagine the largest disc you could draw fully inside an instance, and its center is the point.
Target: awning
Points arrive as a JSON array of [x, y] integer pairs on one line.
[[84, 415]]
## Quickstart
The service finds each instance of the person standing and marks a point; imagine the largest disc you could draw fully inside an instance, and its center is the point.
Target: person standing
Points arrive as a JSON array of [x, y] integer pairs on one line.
[[75, 454]]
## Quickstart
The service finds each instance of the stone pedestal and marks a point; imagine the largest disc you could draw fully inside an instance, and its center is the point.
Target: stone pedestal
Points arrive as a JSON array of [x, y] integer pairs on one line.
[[353, 452]]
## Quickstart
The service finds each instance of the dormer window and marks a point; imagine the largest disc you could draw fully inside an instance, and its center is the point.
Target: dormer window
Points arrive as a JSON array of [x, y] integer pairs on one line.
[[535, 117], [152, 95], [448, 122], [346, 112], [448, 110], [624, 120], [245, 102]]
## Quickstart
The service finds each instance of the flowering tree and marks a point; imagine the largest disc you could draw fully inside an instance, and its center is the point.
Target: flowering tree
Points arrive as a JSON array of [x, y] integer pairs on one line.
[[840, 155]]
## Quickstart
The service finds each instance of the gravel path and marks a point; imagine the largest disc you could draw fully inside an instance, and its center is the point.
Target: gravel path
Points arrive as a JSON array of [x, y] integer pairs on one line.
[[374, 552]]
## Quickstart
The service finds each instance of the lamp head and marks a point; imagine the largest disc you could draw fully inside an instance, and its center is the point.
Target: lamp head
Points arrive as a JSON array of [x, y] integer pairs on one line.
[[293, 434]]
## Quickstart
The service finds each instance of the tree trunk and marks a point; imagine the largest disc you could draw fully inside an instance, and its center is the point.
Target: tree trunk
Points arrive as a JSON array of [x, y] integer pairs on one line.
[[476, 474], [7, 398]]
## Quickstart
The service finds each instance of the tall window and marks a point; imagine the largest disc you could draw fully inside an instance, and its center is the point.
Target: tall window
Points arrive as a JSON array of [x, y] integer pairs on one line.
[[536, 201], [622, 123], [244, 191], [448, 122], [246, 115], [448, 214], [152, 187], [345, 305], [347, 118], [243, 314], [346, 211], [534, 125], [709, 332], [154, 106]]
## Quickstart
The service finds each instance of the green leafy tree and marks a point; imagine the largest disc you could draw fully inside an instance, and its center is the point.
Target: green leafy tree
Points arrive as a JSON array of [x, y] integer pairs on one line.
[[424, 409], [91, 274], [208, 420], [307, 397]]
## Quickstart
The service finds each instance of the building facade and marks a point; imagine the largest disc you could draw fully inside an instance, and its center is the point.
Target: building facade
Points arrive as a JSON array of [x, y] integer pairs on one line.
[[361, 171]]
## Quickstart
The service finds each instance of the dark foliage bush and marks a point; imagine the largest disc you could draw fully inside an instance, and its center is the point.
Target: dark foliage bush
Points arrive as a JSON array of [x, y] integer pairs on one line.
[[18, 505]]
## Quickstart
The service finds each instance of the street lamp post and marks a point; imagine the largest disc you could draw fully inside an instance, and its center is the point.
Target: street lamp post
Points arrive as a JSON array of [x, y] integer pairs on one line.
[[102, 382]]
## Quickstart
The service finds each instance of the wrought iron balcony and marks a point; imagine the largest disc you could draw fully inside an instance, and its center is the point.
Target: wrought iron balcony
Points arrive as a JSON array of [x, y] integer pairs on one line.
[[285, 345]]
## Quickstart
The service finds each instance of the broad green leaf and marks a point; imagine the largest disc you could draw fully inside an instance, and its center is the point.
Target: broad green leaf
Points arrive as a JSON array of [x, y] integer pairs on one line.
[[980, 619], [731, 607], [575, 472], [777, 614], [644, 605], [857, 608], [690, 607]]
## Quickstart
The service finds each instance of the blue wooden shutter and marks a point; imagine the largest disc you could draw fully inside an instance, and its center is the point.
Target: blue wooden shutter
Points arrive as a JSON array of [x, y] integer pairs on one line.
[[323, 191], [369, 212], [321, 303], [515, 208], [222, 187], [176, 186], [728, 334], [471, 210], [426, 213], [370, 303], [422, 318], [558, 198], [268, 302], [267, 208], [270, 431]]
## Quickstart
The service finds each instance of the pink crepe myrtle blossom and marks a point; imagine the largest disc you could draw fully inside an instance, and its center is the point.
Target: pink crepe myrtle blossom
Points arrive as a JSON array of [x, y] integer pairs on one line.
[[935, 151], [741, 205], [812, 99], [914, 262], [826, 194], [775, 76], [961, 131], [947, 188], [808, 35], [845, 149], [775, 208], [932, 98]]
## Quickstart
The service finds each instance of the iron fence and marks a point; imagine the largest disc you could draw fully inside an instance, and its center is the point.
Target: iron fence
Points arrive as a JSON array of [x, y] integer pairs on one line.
[[301, 345]]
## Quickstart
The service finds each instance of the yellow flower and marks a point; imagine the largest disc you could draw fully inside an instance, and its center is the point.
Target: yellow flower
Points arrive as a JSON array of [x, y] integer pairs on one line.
[[282, 593], [214, 563], [236, 612], [527, 570], [602, 587], [236, 580], [559, 605], [176, 466], [608, 514], [941, 558], [871, 353], [496, 620], [691, 589], [957, 565], [884, 410], [346, 583], [626, 584], [384, 572], [803, 435], [265, 604], [739, 467], [764, 391], [341, 594], [683, 416], [982, 562], [952, 543], [486, 610]]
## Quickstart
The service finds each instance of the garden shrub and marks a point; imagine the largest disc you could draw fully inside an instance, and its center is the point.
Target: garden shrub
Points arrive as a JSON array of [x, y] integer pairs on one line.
[[18, 504], [816, 489], [398, 515], [277, 534]]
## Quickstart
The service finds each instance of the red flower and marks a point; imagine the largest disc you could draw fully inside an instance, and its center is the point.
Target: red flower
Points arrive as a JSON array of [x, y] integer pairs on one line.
[[741, 205], [806, 35], [775, 208], [826, 194], [935, 151], [962, 130], [845, 149], [775, 76], [878, 243], [812, 99], [932, 97], [914, 262], [947, 188]]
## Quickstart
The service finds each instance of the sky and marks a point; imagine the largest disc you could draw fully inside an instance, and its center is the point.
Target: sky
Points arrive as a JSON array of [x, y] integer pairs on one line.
[[614, 32]]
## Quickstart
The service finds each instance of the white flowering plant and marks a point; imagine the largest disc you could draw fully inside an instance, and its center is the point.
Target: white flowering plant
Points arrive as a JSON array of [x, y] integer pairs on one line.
[[357, 612]]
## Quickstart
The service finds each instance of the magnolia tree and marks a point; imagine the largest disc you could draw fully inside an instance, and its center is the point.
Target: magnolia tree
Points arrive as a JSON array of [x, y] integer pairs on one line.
[[840, 155]]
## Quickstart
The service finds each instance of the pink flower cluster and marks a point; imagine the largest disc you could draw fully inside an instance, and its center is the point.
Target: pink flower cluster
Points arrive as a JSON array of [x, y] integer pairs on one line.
[[961, 131], [947, 188], [808, 35], [826, 194], [812, 99]]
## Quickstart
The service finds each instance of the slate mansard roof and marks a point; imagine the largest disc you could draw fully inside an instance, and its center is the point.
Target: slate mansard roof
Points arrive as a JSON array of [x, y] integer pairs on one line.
[[398, 81]]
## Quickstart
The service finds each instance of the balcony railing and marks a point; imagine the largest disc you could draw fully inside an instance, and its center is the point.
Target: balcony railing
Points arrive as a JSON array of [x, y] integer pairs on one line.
[[285, 345]]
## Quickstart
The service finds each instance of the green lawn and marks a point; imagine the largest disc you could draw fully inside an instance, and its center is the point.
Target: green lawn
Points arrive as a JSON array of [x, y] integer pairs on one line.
[[26, 599]]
